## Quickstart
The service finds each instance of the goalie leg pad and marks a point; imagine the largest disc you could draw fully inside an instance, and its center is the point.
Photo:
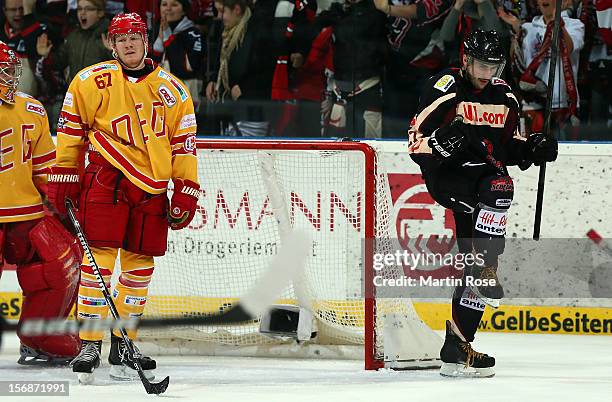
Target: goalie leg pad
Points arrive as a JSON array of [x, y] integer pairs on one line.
[[130, 294], [103, 201], [49, 282], [147, 231]]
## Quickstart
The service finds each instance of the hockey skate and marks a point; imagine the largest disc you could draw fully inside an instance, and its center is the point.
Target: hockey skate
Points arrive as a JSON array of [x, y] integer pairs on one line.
[[460, 360], [87, 361], [491, 294], [122, 367], [32, 357]]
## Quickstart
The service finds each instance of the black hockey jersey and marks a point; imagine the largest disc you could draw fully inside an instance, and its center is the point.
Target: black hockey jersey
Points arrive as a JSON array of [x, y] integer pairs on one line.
[[491, 116]]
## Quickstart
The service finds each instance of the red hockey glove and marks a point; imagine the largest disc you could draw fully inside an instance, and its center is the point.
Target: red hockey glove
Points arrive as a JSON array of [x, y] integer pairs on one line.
[[62, 183], [183, 204]]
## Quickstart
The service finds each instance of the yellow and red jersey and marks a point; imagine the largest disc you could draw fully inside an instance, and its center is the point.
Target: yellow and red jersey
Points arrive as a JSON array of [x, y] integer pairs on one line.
[[144, 127], [26, 150]]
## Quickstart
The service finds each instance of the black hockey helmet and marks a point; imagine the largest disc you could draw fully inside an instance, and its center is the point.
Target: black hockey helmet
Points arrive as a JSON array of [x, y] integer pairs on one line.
[[484, 46]]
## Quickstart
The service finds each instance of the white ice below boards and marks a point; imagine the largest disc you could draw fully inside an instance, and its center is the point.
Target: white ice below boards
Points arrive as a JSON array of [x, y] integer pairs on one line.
[[529, 368]]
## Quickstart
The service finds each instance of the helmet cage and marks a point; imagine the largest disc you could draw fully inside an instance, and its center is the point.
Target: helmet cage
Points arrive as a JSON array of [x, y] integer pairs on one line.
[[10, 73]]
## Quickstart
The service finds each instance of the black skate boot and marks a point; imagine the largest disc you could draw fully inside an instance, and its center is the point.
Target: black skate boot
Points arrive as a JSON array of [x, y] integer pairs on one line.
[[122, 367], [460, 360], [493, 292], [87, 361], [32, 357]]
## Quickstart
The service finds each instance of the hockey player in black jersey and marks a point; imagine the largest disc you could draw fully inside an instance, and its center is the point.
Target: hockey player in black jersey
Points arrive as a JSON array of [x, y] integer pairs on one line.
[[463, 138]]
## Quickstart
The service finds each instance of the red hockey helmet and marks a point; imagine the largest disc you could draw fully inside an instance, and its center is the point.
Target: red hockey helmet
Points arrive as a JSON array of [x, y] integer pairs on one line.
[[125, 24], [10, 72]]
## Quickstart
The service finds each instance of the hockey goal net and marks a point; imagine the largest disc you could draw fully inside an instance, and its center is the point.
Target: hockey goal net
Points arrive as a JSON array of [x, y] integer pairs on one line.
[[250, 190]]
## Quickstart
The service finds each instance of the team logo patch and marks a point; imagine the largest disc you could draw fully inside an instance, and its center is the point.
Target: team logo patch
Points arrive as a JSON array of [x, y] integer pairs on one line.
[[95, 69], [166, 94], [189, 120], [498, 81], [92, 301], [182, 91], [503, 202], [444, 83], [491, 222], [135, 300], [190, 144], [35, 108], [502, 184], [471, 301], [89, 316], [68, 99]]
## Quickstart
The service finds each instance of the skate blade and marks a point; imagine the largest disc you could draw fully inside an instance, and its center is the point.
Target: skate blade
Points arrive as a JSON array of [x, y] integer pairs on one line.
[[34, 361], [124, 373], [85, 378], [486, 300], [459, 370]]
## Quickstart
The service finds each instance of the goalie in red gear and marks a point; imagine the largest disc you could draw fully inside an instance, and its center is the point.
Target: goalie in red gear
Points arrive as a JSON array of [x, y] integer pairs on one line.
[[139, 122], [46, 255]]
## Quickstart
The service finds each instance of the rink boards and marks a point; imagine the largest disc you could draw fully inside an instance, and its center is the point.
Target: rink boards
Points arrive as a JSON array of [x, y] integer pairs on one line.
[[576, 200]]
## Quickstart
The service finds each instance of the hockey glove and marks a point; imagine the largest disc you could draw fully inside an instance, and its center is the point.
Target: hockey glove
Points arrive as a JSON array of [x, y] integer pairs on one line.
[[541, 148], [447, 141], [62, 183], [183, 204]]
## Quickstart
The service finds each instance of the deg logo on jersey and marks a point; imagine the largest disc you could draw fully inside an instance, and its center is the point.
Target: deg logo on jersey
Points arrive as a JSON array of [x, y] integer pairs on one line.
[[166, 95], [444, 83], [33, 107]]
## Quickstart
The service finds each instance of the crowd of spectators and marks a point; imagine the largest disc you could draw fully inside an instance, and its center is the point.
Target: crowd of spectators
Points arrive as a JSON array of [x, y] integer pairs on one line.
[[342, 68]]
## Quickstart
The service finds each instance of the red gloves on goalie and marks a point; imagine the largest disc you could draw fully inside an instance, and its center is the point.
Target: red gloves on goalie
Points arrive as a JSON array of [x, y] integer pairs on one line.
[[183, 204], [62, 183]]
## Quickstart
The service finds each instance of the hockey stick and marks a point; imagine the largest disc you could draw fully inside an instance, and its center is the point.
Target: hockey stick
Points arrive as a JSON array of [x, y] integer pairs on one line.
[[287, 265], [547, 115], [151, 388]]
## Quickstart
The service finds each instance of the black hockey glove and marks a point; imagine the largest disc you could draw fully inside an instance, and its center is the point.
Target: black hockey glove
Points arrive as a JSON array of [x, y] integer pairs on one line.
[[447, 141], [541, 148]]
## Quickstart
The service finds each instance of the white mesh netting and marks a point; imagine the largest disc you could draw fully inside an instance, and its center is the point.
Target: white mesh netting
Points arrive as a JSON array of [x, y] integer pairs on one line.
[[236, 231]]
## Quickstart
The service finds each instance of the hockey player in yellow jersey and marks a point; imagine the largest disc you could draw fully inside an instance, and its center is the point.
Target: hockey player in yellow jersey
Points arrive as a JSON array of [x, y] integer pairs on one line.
[[138, 123], [46, 255]]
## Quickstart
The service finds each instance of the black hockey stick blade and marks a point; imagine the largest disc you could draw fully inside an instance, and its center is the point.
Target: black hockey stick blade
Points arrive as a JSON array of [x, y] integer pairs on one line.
[[154, 387]]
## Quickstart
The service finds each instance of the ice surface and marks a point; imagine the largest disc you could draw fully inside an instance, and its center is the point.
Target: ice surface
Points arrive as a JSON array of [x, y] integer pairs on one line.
[[529, 368]]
